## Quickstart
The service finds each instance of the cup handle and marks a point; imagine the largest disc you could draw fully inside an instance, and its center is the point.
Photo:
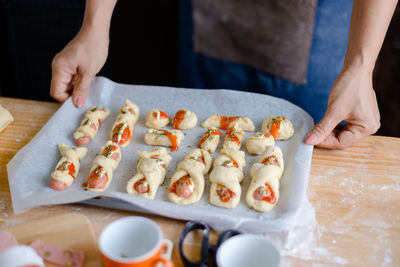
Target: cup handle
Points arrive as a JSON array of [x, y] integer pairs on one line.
[[167, 254], [165, 257], [165, 262]]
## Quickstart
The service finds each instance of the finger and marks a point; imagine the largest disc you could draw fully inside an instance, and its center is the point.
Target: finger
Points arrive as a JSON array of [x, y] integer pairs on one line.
[[81, 89], [344, 138], [60, 85], [322, 129]]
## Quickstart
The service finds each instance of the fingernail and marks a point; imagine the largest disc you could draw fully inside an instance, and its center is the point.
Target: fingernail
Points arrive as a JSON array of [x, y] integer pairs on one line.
[[311, 138], [79, 102]]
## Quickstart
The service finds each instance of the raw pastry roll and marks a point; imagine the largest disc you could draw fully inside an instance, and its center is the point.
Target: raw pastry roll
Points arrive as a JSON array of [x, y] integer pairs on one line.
[[279, 127], [225, 178], [184, 119], [272, 156], [233, 138], [131, 110], [90, 125], [187, 183], [231, 158], [201, 156], [5, 118], [258, 143], [151, 171], [67, 167], [171, 138], [103, 167], [210, 140], [263, 192], [224, 122], [156, 118], [101, 173], [122, 129], [111, 151]]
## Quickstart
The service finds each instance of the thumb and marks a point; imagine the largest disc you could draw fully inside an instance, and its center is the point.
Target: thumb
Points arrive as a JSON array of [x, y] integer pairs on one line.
[[81, 90], [322, 129]]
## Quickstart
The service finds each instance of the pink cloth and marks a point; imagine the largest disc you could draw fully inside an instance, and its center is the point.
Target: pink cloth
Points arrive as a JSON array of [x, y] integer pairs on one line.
[[8, 240]]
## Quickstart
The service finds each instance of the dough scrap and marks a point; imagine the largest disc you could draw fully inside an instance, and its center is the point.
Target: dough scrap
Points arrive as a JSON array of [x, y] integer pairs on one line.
[[5, 118]]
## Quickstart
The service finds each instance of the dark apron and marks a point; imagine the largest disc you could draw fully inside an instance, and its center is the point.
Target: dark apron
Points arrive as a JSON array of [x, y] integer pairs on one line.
[[302, 69]]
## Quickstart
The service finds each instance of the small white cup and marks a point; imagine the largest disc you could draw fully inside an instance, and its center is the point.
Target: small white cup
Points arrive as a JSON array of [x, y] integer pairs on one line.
[[248, 250], [21, 255], [133, 242]]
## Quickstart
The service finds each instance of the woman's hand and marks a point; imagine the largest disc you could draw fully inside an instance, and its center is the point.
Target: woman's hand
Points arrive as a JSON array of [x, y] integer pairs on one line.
[[74, 67], [352, 99], [81, 59]]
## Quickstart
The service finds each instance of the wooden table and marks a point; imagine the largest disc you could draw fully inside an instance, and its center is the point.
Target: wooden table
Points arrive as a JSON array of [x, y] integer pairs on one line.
[[355, 192]]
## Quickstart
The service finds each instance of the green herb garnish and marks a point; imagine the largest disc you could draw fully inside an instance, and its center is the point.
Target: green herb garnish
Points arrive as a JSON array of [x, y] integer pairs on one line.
[[86, 122]]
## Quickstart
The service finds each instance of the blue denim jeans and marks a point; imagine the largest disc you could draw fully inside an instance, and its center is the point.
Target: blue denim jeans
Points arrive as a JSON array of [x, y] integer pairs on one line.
[[332, 22]]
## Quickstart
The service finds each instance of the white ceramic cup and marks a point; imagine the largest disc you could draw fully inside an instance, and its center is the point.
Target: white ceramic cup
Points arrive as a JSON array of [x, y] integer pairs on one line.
[[248, 250], [21, 255], [133, 241]]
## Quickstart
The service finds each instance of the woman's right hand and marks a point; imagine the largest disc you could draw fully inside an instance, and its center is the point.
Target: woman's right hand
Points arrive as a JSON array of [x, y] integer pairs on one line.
[[74, 67]]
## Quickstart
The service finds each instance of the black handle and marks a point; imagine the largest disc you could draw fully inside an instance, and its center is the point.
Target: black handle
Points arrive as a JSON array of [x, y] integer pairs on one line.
[[221, 239], [190, 226], [225, 235]]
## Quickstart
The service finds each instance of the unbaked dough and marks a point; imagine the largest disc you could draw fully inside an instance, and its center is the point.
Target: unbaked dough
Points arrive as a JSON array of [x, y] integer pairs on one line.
[[151, 171], [224, 122], [170, 138], [187, 183], [272, 156], [233, 138], [156, 118], [184, 119], [263, 192], [5, 118], [90, 125], [231, 158], [112, 151], [101, 173], [210, 140], [279, 127], [202, 156], [103, 167], [258, 143], [67, 167], [225, 178], [122, 129]]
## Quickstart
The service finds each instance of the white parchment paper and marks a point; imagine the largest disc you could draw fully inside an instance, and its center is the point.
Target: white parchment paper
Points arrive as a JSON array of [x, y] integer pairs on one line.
[[29, 170]]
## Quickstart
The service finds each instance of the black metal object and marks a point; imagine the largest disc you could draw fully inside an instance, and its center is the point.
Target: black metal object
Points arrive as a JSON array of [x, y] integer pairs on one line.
[[208, 251]]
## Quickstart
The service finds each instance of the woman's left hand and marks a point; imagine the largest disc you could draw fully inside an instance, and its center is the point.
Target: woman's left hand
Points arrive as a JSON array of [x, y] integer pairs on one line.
[[353, 100]]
